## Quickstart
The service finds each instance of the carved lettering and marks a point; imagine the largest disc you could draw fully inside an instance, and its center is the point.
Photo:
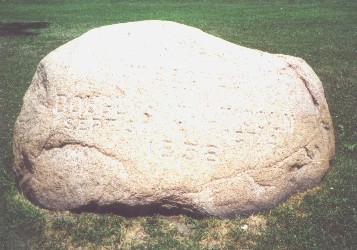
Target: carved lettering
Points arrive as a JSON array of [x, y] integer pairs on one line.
[[68, 124], [96, 123], [60, 104], [191, 150], [87, 112], [83, 114], [87, 106], [75, 105]]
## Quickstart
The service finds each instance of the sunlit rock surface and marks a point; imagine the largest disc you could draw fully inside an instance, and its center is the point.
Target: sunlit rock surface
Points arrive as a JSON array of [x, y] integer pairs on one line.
[[156, 116]]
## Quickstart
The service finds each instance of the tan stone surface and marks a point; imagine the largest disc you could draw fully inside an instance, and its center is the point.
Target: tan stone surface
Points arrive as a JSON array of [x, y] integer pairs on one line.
[[158, 114]]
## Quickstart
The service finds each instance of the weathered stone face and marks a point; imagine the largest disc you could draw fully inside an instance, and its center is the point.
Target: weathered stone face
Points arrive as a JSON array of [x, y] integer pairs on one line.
[[156, 115]]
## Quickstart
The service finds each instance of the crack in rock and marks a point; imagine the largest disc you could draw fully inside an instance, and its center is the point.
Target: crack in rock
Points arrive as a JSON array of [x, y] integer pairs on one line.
[[305, 82]]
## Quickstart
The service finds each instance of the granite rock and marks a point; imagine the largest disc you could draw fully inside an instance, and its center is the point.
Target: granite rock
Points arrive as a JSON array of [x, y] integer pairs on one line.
[[156, 116]]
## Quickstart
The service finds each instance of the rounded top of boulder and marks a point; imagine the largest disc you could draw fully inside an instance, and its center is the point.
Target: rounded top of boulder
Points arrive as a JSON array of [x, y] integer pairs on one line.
[[160, 115]]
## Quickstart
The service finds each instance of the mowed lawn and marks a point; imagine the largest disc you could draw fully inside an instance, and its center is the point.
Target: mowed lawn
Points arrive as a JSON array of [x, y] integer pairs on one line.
[[323, 32]]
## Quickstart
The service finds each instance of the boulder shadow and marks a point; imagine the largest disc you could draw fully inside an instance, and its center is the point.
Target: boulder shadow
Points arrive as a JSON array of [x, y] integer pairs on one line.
[[21, 29], [136, 211]]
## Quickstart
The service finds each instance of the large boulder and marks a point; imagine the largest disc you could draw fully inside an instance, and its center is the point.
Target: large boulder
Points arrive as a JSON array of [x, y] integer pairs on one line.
[[158, 116]]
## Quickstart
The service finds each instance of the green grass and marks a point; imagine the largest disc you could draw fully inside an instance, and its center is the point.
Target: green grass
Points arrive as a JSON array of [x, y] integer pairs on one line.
[[323, 32]]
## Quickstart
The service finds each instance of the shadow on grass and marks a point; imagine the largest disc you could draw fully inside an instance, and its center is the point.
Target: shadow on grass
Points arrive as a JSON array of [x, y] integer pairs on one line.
[[143, 210], [21, 29]]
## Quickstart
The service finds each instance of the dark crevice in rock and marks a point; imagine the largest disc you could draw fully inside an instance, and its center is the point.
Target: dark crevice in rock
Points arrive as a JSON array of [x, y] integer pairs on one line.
[[63, 144], [326, 125], [43, 77], [331, 162], [263, 185], [305, 82], [308, 153], [25, 179], [76, 143], [24, 184], [314, 100], [289, 156], [27, 191], [296, 166], [27, 163], [125, 210]]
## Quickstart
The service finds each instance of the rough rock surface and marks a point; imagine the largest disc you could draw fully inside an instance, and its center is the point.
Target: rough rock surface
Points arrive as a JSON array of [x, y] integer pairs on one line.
[[158, 116]]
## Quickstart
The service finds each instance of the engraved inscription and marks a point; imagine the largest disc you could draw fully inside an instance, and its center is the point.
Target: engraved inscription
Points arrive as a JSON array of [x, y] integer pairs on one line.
[[102, 106], [81, 113], [190, 150], [186, 150], [211, 153], [252, 129], [249, 128], [254, 122], [167, 150]]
